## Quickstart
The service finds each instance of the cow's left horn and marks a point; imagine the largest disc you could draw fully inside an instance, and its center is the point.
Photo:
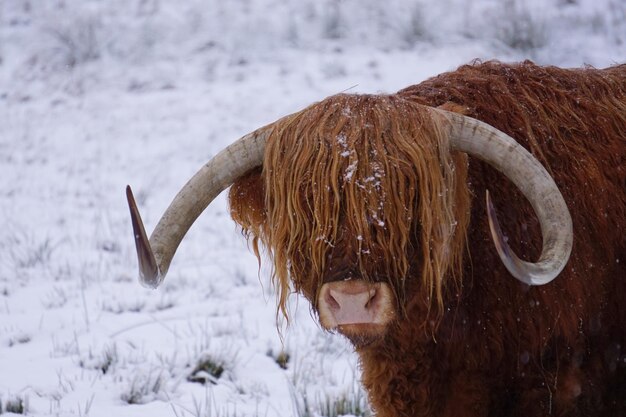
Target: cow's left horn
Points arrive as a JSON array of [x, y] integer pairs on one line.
[[219, 173], [489, 144]]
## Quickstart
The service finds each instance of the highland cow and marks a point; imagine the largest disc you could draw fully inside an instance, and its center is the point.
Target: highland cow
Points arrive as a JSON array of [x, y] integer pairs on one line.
[[373, 207]]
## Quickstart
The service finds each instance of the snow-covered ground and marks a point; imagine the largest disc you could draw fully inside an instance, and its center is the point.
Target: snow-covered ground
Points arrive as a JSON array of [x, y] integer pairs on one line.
[[96, 95]]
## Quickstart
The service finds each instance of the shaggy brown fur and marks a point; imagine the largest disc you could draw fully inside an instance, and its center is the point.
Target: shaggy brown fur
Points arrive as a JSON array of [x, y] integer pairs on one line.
[[357, 165], [366, 186]]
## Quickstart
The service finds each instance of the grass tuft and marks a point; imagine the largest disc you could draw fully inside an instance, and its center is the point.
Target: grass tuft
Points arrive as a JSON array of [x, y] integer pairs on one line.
[[144, 388], [19, 339], [347, 404], [282, 358], [207, 369], [15, 405], [108, 359]]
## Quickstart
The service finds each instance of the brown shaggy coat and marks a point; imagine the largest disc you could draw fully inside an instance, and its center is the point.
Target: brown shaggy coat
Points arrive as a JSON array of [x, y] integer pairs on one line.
[[469, 340]]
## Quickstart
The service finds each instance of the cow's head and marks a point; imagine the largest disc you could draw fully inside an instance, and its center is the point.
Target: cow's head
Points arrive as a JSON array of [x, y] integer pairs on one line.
[[359, 201]]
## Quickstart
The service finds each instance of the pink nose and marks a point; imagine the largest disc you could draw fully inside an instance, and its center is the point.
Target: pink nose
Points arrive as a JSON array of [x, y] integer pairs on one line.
[[350, 302]]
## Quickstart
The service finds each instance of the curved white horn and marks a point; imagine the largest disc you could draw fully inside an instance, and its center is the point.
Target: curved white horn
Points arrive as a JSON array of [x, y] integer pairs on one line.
[[498, 149], [155, 255]]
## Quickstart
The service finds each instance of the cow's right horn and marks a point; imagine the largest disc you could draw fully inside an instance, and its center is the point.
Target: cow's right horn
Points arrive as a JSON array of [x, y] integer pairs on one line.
[[155, 255], [489, 144]]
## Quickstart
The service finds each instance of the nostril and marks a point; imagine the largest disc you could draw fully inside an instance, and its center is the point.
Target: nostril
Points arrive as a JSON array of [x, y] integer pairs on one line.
[[373, 297], [332, 302]]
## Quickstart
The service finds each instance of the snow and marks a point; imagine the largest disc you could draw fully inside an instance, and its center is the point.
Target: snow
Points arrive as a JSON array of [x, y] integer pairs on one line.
[[97, 95]]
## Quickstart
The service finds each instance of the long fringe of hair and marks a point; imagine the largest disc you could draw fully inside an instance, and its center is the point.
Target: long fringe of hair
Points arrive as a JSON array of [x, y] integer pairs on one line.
[[373, 173]]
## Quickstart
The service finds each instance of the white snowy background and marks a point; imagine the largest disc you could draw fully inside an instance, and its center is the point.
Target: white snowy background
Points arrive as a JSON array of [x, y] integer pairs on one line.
[[96, 94]]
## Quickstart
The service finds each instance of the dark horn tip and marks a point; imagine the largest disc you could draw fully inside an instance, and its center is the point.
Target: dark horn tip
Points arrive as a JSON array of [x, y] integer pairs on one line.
[[149, 274], [496, 231], [512, 263]]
